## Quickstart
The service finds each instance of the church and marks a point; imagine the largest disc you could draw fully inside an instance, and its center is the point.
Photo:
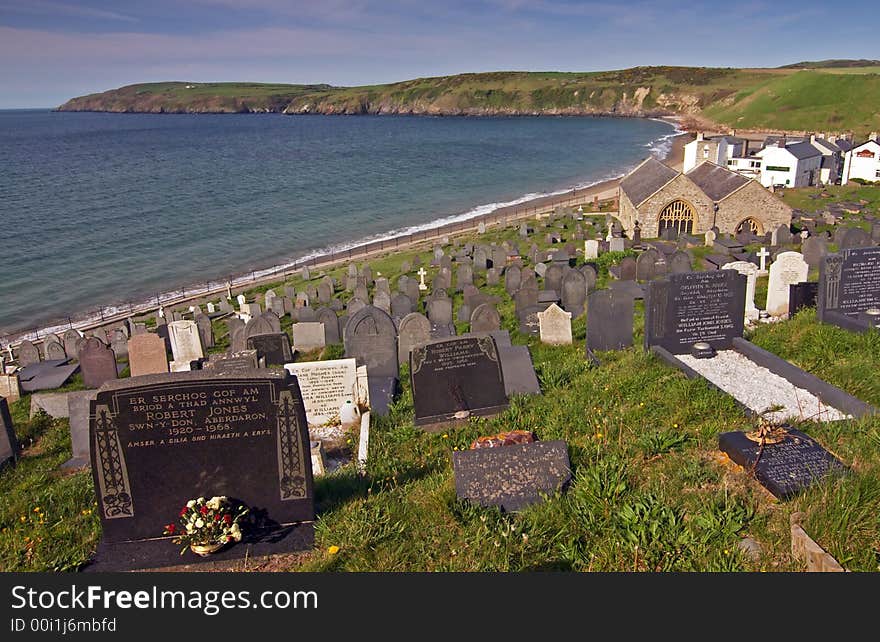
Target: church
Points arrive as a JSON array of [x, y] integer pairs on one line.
[[666, 202]]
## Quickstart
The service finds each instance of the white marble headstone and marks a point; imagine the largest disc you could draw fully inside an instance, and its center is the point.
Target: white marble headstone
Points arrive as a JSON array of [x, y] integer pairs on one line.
[[787, 269]]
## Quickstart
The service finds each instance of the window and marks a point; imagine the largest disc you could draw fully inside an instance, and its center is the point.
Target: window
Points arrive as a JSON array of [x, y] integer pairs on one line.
[[877, 174], [755, 164], [706, 152], [679, 217], [730, 162]]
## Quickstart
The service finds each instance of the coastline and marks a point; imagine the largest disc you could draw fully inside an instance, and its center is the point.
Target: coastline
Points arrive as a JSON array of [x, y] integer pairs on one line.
[[518, 209]]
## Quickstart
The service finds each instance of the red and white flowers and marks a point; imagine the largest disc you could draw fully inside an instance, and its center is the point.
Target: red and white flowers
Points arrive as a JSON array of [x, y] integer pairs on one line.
[[208, 521]]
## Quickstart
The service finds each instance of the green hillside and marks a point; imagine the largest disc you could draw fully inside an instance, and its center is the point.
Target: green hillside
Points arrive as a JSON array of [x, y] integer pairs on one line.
[[833, 97]]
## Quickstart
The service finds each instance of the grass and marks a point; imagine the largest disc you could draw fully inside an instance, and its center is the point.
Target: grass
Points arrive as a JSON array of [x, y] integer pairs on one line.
[[791, 99], [650, 491]]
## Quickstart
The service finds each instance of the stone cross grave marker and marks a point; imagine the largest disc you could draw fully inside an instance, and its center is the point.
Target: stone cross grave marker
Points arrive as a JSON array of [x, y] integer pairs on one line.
[[422, 274]]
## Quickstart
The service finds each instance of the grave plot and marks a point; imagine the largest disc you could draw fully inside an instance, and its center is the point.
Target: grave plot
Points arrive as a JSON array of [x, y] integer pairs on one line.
[[695, 323]]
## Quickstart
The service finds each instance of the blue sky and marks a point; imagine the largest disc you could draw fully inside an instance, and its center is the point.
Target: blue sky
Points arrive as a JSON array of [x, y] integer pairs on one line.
[[52, 50]]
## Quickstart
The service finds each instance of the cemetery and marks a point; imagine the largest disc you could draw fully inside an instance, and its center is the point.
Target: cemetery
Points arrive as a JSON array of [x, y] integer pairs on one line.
[[547, 395]]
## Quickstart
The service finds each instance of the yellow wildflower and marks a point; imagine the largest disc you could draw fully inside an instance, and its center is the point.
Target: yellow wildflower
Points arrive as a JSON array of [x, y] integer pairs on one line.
[[332, 550]]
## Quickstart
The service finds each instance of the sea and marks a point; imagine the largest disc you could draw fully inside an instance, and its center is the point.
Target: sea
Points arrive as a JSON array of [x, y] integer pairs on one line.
[[100, 211]]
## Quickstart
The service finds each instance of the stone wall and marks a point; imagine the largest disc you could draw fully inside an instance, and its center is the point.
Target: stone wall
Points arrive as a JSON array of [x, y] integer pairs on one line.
[[679, 188], [752, 201]]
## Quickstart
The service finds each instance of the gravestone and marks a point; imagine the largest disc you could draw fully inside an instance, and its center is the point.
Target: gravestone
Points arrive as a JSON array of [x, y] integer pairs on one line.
[[591, 250], [325, 386], [382, 300], [414, 330], [454, 379], [439, 311], [371, 338], [525, 298], [400, 306], [241, 361], [493, 276], [553, 277], [541, 270], [511, 477], [697, 307], [71, 338], [78, 418], [165, 439], [518, 370], [627, 269], [785, 468], [788, 268], [802, 295], [119, 342], [646, 265], [147, 355], [481, 259], [206, 331], [780, 236], [53, 348], [554, 325], [485, 318], [325, 292], [854, 237], [413, 291], [96, 362], [464, 276], [27, 353], [8, 441], [574, 293], [814, 250], [360, 292], [591, 276], [233, 324], [680, 262], [308, 336], [750, 271], [273, 347], [186, 344], [10, 387], [609, 320], [849, 283], [354, 306], [616, 244], [512, 279], [328, 317]]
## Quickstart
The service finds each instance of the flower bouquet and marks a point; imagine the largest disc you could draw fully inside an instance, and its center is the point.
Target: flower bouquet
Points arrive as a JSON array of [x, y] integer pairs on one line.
[[207, 525]]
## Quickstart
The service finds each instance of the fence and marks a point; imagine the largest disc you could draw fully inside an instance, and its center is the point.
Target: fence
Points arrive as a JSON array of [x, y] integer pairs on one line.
[[106, 315]]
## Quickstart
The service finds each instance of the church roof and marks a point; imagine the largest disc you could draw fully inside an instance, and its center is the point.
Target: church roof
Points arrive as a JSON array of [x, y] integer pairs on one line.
[[646, 179], [716, 182]]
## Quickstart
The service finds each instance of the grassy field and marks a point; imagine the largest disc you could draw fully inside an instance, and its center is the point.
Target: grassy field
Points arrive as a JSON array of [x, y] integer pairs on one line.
[[650, 490], [789, 99]]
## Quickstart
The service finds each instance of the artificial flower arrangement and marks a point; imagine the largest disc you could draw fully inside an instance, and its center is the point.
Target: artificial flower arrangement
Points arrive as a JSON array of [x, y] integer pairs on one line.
[[207, 524]]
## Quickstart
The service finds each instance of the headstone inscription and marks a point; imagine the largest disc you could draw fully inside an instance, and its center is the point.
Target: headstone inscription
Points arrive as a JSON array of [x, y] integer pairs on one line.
[[849, 283], [325, 386], [788, 268], [485, 318], [786, 467], [186, 343], [166, 439], [511, 477], [27, 353], [71, 338], [697, 307], [453, 379], [53, 348]]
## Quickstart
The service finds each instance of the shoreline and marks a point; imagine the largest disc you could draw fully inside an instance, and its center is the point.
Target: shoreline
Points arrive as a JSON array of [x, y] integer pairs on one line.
[[604, 189]]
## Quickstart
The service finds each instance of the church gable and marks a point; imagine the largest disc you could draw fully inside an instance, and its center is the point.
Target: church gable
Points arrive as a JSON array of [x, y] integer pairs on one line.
[[753, 206], [676, 202]]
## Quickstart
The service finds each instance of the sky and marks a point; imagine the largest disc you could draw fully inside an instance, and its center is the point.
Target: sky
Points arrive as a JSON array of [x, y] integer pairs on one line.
[[52, 50]]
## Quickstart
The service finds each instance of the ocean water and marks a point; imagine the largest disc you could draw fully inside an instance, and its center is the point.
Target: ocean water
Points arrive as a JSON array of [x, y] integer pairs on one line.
[[105, 209]]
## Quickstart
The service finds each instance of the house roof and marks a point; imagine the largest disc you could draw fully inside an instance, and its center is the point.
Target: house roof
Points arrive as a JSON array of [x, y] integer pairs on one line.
[[646, 179], [716, 182], [844, 144], [803, 150], [823, 144]]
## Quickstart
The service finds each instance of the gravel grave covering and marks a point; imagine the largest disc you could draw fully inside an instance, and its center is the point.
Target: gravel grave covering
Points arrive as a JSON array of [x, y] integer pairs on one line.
[[757, 388]]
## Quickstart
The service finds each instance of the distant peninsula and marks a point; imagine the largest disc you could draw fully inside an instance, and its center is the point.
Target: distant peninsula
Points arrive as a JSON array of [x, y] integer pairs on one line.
[[838, 95]]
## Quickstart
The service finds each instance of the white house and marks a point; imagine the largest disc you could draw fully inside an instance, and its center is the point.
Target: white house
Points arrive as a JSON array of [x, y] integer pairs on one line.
[[863, 161], [749, 166], [829, 170], [790, 164], [716, 149]]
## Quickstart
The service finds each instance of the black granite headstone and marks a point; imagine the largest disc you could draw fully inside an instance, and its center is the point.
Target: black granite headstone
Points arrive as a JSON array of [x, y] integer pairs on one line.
[[511, 477], [784, 468], [8, 442], [692, 307], [174, 437], [802, 295], [849, 282], [274, 348], [454, 379]]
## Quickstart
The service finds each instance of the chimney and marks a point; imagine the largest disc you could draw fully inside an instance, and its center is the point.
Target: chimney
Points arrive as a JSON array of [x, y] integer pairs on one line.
[[873, 136], [700, 136], [732, 132], [812, 138], [780, 142]]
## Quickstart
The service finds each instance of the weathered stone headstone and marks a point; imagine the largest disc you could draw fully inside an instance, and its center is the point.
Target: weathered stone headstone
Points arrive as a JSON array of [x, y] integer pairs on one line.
[[574, 292], [328, 317], [781, 235], [401, 305], [206, 330], [627, 269], [814, 250], [541, 269], [78, 417], [325, 292], [554, 325], [439, 311], [646, 265], [511, 477], [53, 348], [371, 338], [27, 353], [493, 276], [71, 338], [240, 361], [553, 277], [165, 439], [308, 336], [325, 386], [454, 379], [96, 362], [616, 244], [414, 330], [697, 307], [382, 300], [680, 262], [147, 355], [609, 320], [785, 468], [750, 271], [354, 306], [10, 387], [512, 279], [788, 268], [591, 249], [485, 318]]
